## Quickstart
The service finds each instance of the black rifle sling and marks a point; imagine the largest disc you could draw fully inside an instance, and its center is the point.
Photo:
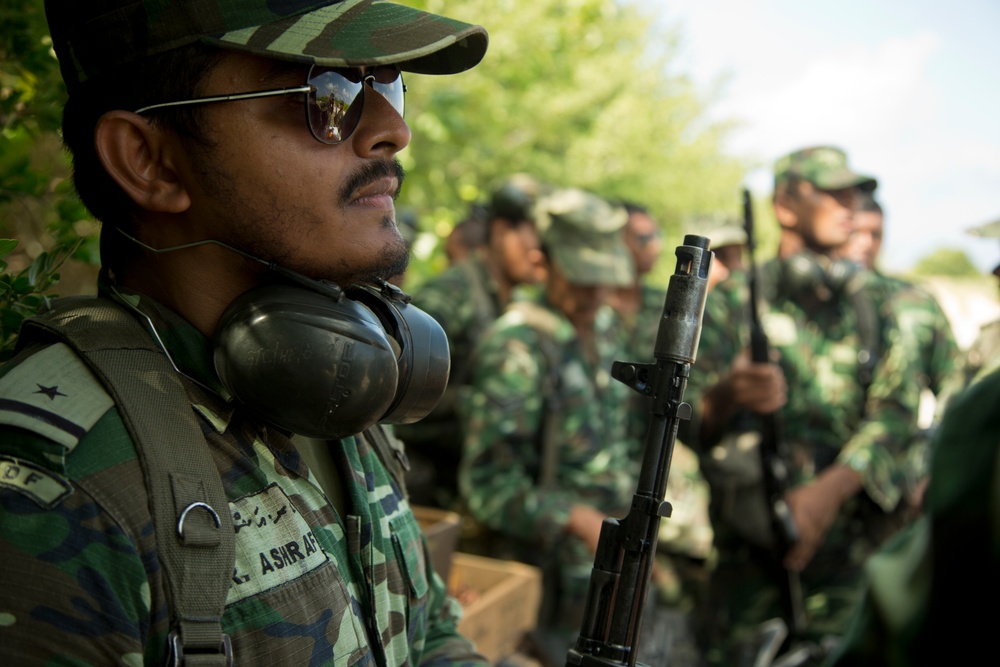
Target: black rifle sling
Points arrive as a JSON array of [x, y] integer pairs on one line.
[[191, 516]]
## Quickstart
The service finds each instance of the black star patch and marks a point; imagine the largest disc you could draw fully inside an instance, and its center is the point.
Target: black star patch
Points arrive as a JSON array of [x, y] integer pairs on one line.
[[51, 392]]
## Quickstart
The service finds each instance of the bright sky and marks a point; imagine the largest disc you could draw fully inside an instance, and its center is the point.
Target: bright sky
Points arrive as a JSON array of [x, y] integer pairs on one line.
[[909, 88]]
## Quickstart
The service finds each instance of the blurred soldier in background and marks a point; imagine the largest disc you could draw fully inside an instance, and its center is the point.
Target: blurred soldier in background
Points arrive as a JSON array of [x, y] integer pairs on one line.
[[466, 299], [547, 453], [924, 330], [984, 354], [728, 242], [468, 235], [916, 608], [845, 406]]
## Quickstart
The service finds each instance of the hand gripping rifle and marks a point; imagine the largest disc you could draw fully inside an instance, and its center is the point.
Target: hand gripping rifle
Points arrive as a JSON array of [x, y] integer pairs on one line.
[[619, 581], [772, 447]]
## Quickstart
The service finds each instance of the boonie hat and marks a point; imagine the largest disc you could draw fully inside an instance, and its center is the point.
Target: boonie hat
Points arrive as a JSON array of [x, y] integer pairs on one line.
[[989, 230], [823, 166], [95, 37], [583, 235]]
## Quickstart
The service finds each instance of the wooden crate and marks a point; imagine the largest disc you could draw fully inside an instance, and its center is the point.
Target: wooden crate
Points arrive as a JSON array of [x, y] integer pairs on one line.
[[500, 601]]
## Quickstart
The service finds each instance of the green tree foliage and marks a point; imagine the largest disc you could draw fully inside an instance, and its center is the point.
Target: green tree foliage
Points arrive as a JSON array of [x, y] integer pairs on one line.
[[37, 204], [576, 92], [946, 262]]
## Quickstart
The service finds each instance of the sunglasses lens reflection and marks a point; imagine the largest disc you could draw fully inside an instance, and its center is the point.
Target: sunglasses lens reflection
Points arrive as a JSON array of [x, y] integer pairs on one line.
[[335, 105]]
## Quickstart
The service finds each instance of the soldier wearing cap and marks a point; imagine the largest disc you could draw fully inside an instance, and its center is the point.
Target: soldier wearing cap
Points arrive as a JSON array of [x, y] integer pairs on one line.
[[241, 156], [915, 609], [547, 453], [728, 242], [984, 353], [843, 399], [466, 299], [924, 330]]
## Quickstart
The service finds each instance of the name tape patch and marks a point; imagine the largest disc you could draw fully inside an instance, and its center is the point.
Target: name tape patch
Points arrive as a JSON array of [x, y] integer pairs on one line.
[[41, 485], [274, 544]]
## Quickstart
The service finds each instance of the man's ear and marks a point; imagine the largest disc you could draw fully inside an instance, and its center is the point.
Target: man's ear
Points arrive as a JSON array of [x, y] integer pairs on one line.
[[139, 157]]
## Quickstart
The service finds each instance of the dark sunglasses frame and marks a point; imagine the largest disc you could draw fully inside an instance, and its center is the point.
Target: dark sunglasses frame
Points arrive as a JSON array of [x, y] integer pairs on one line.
[[330, 96]]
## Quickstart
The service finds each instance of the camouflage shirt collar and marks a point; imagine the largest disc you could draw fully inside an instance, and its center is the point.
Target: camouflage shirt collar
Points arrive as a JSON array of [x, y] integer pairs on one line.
[[189, 350]]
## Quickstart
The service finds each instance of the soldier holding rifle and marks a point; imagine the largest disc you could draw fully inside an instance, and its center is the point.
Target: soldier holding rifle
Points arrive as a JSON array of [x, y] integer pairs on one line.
[[846, 410]]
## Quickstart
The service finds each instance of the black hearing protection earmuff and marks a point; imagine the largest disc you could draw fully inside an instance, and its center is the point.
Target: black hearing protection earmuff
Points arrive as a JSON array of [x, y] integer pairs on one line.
[[327, 368], [806, 271], [325, 362]]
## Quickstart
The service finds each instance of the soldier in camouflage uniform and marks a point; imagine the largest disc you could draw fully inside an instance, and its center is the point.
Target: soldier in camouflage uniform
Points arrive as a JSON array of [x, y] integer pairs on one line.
[[983, 356], [728, 243], [916, 607], [846, 406], [466, 299], [924, 330], [547, 451], [334, 576]]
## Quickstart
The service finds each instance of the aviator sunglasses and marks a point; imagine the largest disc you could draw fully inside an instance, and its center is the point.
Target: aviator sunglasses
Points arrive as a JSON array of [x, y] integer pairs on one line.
[[334, 97]]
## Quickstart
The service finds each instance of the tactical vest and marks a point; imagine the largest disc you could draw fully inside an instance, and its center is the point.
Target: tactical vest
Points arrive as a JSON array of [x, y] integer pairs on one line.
[[191, 515]]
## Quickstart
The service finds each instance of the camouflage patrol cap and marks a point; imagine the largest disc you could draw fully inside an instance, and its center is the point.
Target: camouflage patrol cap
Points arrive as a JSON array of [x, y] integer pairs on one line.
[[722, 230], [93, 38], [823, 166], [582, 234], [989, 230], [515, 198]]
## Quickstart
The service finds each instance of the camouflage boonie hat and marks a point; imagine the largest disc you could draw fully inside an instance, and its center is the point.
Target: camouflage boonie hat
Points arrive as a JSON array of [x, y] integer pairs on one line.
[[990, 230], [823, 166], [95, 37], [515, 198], [583, 236], [722, 230]]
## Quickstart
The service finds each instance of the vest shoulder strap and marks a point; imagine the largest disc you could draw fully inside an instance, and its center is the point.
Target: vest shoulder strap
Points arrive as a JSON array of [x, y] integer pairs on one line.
[[190, 510], [545, 324]]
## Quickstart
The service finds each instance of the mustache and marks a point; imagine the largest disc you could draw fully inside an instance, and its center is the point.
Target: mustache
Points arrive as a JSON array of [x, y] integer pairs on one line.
[[370, 172]]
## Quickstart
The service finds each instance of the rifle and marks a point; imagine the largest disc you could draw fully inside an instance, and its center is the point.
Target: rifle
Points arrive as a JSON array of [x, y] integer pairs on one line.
[[623, 564], [772, 448]]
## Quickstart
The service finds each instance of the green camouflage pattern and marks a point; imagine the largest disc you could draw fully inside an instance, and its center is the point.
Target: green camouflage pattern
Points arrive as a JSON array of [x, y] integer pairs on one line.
[[312, 584], [828, 419], [918, 584], [531, 378], [94, 39], [981, 359], [464, 300], [823, 166], [926, 337], [582, 233], [922, 325]]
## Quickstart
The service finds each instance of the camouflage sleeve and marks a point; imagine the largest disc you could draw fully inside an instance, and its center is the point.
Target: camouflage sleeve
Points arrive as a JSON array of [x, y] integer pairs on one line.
[[502, 423], [75, 586], [877, 449]]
